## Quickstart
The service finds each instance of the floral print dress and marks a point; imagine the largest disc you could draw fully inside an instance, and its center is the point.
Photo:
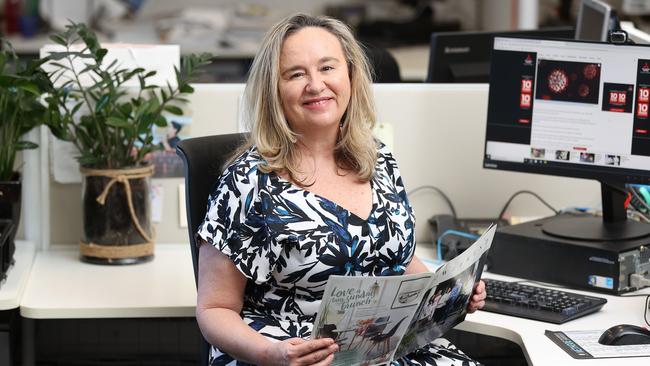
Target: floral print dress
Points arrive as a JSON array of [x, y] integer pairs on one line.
[[287, 241]]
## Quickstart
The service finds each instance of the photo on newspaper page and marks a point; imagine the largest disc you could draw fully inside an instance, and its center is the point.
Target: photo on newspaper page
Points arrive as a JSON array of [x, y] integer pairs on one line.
[[445, 305], [367, 316]]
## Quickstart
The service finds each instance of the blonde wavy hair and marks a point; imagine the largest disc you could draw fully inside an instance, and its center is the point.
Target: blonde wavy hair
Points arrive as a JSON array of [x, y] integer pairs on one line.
[[356, 148]]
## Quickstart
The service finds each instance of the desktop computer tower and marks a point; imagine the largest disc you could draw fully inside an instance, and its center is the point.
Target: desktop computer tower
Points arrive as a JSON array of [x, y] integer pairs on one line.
[[527, 252]]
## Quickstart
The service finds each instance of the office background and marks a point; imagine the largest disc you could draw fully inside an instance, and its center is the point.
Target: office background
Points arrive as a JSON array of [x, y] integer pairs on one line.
[[435, 130]]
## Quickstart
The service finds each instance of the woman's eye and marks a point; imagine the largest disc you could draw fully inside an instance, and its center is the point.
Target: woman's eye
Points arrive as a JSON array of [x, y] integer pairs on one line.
[[327, 68], [296, 75]]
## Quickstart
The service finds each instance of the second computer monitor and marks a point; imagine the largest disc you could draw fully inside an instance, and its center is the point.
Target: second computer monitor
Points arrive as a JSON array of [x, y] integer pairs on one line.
[[464, 57], [593, 23]]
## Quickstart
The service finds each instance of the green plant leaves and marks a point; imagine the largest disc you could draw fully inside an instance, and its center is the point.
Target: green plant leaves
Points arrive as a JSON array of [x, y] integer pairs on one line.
[[117, 122], [21, 87], [111, 125], [174, 110], [25, 145]]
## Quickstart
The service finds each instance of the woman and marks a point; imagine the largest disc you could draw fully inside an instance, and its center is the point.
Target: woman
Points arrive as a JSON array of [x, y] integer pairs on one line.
[[312, 194]]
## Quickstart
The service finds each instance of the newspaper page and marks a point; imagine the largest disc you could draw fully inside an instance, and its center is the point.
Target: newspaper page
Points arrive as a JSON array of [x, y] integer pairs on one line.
[[369, 316], [445, 305]]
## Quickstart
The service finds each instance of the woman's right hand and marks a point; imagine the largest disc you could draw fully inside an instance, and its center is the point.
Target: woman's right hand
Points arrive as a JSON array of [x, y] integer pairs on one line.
[[298, 351]]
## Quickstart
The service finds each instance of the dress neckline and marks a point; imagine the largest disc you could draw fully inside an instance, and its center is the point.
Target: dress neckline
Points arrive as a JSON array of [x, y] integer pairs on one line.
[[282, 180]]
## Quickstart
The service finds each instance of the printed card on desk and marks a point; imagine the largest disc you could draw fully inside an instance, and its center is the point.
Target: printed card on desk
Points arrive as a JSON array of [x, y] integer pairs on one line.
[[377, 319]]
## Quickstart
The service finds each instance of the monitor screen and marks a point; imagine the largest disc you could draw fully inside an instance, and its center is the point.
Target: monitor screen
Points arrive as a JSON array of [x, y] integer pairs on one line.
[[464, 57], [593, 21], [570, 108]]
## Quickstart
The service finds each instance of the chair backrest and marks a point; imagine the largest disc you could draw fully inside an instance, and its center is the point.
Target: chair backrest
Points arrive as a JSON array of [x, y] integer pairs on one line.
[[384, 64], [203, 158]]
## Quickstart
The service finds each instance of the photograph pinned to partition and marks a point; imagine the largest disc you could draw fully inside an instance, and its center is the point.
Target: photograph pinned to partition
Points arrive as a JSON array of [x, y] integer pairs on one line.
[[167, 164]]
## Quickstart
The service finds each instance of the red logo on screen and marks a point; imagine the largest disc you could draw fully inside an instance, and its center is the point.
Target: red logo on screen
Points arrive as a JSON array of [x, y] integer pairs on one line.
[[529, 60], [616, 97], [642, 110], [644, 94], [645, 67]]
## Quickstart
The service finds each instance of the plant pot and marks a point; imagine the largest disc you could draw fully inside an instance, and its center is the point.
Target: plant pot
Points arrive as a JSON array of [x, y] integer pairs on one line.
[[6, 226], [116, 216], [10, 201]]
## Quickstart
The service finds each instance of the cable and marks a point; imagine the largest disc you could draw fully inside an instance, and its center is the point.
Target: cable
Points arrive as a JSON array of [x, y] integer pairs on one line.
[[440, 192], [505, 207], [448, 232], [640, 198]]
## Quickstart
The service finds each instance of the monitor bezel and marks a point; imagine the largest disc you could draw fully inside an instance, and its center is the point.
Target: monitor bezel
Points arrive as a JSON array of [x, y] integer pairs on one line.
[[599, 6], [570, 170]]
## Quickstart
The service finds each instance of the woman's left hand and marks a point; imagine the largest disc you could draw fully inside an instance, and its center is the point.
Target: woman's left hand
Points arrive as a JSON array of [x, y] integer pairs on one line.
[[477, 301]]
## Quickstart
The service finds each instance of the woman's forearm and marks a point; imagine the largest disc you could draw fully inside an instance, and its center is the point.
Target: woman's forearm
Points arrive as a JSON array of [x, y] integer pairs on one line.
[[416, 266], [226, 330]]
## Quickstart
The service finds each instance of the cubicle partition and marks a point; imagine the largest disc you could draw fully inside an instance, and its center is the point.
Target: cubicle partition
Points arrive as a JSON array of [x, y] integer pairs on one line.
[[435, 131]]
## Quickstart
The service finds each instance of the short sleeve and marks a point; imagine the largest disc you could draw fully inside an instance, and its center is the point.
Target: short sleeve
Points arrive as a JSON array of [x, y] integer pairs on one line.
[[235, 225]]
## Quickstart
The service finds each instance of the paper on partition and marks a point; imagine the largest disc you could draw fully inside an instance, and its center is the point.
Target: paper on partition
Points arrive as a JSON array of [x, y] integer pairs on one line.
[[157, 195], [182, 213], [159, 58], [65, 167]]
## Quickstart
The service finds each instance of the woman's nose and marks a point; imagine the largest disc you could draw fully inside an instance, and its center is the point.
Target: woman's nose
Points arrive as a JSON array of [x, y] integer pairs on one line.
[[316, 84]]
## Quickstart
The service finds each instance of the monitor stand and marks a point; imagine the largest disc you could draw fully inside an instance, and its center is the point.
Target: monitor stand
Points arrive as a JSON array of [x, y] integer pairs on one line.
[[613, 226]]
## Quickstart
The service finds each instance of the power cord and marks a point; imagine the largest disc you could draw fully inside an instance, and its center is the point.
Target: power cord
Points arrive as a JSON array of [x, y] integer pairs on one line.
[[505, 207], [440, 192], [450, 232]]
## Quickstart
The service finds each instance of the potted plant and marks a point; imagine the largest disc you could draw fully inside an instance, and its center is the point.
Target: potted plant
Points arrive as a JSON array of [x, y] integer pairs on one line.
[[21, 87], [112, 127]]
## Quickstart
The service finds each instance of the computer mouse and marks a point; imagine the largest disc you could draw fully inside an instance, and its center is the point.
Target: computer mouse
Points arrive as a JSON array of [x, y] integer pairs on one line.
[[625, 334]]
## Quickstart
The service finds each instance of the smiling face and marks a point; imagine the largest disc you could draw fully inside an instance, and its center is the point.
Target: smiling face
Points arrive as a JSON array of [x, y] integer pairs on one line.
[[314, 83]]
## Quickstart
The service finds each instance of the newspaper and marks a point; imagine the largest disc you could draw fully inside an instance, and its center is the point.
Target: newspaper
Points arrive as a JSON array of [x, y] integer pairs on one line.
[[377, 319]]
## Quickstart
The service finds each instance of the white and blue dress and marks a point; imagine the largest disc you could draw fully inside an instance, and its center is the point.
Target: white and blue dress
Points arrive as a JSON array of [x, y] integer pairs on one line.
[[287, 241]]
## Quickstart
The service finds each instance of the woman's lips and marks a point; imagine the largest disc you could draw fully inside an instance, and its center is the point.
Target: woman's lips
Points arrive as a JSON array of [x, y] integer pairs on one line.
[[317, 103]]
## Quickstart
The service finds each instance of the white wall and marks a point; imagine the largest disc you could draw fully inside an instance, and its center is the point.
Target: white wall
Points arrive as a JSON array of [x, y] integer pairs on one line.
[[439, 133]]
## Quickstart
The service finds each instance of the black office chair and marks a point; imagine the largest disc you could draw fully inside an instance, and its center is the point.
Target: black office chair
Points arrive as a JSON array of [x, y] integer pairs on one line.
[[385, 67], [203, 158]]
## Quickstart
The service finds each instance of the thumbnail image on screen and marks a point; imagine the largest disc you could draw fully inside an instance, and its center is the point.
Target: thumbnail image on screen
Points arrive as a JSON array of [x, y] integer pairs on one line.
[[568, 81], [618, 97]]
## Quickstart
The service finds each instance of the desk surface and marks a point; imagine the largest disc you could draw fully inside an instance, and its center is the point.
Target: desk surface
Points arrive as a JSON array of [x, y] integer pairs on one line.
[[61, 286], [11, 290], [529, 334], [413, 62]]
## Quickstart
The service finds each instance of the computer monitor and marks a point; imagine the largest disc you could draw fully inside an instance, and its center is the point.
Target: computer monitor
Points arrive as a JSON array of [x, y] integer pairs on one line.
[[575, 109], [594, 21], [464, 57]]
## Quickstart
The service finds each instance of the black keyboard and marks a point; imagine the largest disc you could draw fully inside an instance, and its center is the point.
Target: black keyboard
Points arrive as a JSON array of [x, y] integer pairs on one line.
[[538, 303]]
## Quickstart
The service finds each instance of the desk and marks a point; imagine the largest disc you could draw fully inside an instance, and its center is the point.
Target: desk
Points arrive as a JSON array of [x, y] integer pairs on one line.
[[413, 62], [11, 291], [62, 287], [529, 334]]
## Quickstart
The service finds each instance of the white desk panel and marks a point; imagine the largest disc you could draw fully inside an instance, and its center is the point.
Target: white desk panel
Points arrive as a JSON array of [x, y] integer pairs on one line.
[[11, 290], [63, 287]]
